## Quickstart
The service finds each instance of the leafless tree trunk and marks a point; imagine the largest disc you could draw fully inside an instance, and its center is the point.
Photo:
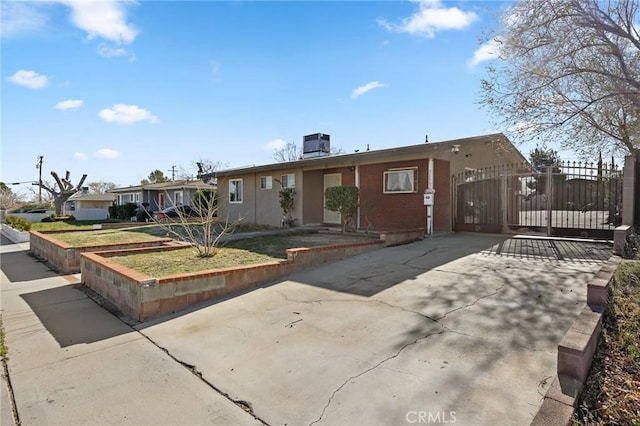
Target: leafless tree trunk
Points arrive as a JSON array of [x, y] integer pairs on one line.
[[64, 192]]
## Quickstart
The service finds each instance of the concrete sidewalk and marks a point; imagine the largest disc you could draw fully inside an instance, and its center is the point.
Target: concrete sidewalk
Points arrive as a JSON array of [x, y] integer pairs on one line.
[[73, 363], [445, 329]]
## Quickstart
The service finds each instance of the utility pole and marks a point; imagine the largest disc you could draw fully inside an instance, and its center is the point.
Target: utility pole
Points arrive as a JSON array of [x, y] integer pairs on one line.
[[39, 166], [173, 172]]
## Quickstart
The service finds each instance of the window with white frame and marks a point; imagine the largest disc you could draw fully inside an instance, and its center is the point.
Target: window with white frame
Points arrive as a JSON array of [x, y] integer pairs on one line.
[[288, 181], [266, 182], [400, 181], [178, 198], [136, 197], [235, 190]]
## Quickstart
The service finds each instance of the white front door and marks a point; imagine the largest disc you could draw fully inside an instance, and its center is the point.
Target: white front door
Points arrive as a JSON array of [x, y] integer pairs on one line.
[[334, 179]]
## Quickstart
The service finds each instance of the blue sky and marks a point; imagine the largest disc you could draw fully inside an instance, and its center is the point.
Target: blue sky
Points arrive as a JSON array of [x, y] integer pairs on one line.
[[118, 89]]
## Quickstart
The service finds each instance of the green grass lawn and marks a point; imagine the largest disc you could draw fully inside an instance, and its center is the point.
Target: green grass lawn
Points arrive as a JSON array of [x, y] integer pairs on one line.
[[165, 263], [236, 253], [73, 225], [111, 236], [141, 233]]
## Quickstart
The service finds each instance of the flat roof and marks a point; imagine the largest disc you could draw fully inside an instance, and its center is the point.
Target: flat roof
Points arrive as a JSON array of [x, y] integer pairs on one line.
[[362, 156]]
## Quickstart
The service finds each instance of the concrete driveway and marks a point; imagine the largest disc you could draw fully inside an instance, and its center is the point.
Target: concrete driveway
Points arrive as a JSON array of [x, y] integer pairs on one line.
[[455, 329]]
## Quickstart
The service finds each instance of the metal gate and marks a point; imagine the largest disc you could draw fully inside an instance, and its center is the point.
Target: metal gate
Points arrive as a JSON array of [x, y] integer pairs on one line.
[[568, 199]]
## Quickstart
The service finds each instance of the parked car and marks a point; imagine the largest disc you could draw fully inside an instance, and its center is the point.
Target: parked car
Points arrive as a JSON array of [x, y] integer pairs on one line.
[[177, 211]]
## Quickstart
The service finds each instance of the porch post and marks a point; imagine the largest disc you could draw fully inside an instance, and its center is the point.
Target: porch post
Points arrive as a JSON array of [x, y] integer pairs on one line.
[[503, 202], [357, 178], [549, 197], [629, 190]]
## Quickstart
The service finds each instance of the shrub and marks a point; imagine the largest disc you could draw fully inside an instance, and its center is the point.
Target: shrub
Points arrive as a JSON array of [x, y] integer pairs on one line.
[[142, 215], [123, 212], [18, 223], [287, 200], [630, 249], [343, 200]]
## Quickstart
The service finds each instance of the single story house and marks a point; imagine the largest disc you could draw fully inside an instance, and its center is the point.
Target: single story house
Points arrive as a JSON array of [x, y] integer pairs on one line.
[[392, 183], [85, 206], [157, 196]]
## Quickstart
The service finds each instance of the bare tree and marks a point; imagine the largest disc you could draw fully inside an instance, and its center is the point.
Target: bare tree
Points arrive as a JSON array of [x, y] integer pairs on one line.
[[198, 225], [38, 197], [200, 167], [101, 187], [292, 152], [568, 71], [8, 199], [63, 191], [289, 152]]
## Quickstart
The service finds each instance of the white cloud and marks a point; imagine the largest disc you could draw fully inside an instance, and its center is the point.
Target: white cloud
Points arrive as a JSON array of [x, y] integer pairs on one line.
[[431, 17], [69, 104], [80, 156], [486, 52], [366, 88], [30, 79], [126, 114], [275, 144], [106, 153], [106, 19], [20, 17]]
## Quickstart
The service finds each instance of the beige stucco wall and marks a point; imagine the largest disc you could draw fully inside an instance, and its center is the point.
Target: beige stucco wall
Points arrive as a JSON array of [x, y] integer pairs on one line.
[[260, 205], [479, 155], [92, 204]]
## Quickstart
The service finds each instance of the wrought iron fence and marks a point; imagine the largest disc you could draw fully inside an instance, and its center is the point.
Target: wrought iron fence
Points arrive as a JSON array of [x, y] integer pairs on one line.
[[569, 198]]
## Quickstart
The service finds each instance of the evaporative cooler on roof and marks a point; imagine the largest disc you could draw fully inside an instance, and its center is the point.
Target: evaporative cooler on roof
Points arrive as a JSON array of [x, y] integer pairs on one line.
[[316, 145]]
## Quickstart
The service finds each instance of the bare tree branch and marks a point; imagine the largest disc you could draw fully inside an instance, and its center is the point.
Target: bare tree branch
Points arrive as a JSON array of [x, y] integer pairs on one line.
[[568, 71]]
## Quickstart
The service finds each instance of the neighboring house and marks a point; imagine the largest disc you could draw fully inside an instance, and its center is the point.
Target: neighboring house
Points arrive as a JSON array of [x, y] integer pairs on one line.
[[85, 206], [392, 183], [157, 196]]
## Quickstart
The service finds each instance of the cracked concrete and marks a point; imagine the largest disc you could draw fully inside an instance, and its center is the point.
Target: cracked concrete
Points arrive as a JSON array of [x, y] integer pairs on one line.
[[71, 362], [442, 326]]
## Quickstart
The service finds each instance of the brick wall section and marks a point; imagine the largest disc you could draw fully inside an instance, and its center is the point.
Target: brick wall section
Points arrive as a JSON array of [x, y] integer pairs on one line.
[[66, 258], [141, 297], [392, 210], [348, 175], [405, 211]]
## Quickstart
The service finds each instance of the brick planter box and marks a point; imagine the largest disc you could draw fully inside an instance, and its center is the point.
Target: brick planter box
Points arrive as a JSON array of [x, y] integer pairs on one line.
[[66, 258], [13, 234], [141, 297]]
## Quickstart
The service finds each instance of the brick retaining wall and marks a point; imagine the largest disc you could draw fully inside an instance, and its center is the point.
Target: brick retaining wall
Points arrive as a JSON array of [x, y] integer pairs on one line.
[[141, 297], [576, 351], [66, 258]]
